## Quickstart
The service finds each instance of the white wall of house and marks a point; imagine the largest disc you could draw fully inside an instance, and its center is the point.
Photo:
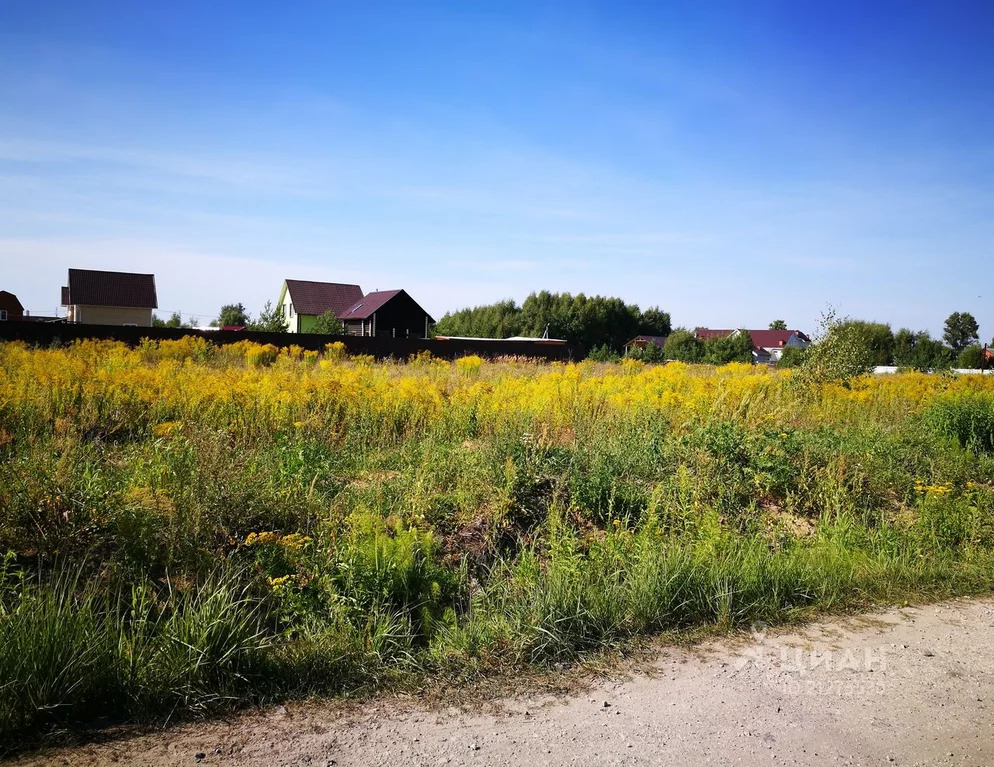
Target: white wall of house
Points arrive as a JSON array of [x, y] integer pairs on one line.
[[289, 314]]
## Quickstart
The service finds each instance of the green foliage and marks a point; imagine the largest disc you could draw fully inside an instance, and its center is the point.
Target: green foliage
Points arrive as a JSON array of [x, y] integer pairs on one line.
[[270, 320], [588, 321], [839, 354], [960, 330], [792, 357], [328, 324], [231, 314], [876, 337], [603, 353], [736, 347], [967, 417], [649, 353], [71, 652], [683, 346], [174, 321], [778, 325], [919, 351], [971, 358]]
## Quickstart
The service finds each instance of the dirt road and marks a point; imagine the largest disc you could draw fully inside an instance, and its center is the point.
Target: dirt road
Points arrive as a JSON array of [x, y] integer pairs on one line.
[[902, 687]]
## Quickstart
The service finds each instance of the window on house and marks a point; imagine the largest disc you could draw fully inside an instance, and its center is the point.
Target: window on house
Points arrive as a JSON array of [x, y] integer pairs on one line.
[[3, 315]]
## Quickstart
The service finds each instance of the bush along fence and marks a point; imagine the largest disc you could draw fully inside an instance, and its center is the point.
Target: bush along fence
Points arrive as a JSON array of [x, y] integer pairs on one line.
[[58, 333]]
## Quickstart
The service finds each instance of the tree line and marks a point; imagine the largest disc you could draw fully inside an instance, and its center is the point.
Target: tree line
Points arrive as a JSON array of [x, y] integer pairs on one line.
[[602, 325], [594, 323], [877, 344]]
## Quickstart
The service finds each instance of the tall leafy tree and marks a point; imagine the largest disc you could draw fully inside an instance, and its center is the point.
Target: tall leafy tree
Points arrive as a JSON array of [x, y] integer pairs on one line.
[[682, 345], [876, 337], [961, 330], [970, 358], [736, 347], [919, 351], [778, 325], [231, 314]]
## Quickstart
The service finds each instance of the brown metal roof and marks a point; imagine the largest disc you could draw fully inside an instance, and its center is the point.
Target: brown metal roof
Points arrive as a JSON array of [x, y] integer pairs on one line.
[[89, 287], [9, 302], [363, 308], [319, 297]]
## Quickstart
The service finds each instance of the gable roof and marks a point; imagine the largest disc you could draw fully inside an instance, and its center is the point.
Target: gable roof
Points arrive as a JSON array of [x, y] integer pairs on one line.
[[706, 334], [91, 287], [769, 339], [657, 340], [319, 297], [364, 308], [761, 339], [10, 302]]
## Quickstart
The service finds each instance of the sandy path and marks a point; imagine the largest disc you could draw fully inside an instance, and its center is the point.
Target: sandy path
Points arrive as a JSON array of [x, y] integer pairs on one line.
[[905, 687]]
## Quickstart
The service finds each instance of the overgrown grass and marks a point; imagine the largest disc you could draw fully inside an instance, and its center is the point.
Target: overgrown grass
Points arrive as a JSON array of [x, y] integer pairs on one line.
[[189, 528]]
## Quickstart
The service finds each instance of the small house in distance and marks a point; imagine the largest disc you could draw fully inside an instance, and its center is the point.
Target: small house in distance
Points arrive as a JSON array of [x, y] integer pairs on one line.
[[10, 306], [767, 345], [303, 301], [640, 342], [95, 297], [387, 314], [383, 314]]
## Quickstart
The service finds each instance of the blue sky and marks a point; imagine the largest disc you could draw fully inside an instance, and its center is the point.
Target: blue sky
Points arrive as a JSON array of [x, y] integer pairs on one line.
[[731, 162]]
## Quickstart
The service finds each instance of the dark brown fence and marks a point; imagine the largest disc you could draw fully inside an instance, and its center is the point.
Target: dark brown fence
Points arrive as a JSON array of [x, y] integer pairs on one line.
[[56, 333]]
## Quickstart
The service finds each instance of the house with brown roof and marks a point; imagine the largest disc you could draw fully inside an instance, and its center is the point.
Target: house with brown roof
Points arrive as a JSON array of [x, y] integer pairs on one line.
[[301, 302], [10, 307], [767, 345], [642, 341], [94, 297], [383, 313], [389, 314]]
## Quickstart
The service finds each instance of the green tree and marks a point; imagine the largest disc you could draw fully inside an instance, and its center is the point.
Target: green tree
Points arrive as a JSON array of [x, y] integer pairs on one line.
[[970, 358], [270, 320], [839, 353], [961, 330], [603, 353], [778, 325], [654, 322], [649, 353], [328, 324], [683, 345], [588, 321], [877, 337], [919, 351], [736, 347], [231, 314], [792, 357], [174, 321]]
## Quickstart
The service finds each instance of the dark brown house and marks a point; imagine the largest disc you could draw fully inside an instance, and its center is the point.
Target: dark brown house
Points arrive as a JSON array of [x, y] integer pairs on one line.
[[387, 314], [10, 307]]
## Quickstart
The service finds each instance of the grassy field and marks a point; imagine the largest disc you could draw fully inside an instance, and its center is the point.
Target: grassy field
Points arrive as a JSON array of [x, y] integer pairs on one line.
[[185, 527]]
